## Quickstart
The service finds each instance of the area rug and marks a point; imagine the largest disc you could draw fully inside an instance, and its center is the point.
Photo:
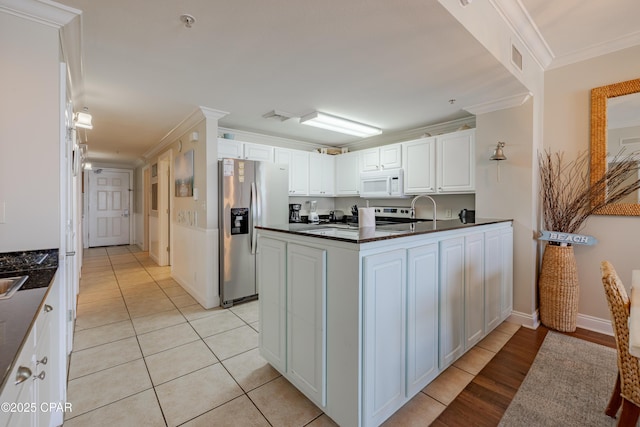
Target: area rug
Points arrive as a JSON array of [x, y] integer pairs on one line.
[[569, 384]]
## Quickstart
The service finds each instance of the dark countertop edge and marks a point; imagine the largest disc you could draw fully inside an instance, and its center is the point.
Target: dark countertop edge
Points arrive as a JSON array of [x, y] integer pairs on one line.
[[423, 229], [50, 271]]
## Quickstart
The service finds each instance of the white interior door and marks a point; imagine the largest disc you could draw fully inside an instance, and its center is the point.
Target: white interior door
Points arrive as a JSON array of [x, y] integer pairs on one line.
[[109, 220]]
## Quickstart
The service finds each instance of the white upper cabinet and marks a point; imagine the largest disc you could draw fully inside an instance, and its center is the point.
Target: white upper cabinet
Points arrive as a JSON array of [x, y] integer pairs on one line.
[[232, 149], [456, 162], [347, 174], [385, 157], [298, 163], [321, 175], [259, 152], [419, 160], [440, 164]]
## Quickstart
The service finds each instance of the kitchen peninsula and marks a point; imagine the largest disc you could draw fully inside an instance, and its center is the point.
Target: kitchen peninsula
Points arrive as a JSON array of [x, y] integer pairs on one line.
[[362, 320]]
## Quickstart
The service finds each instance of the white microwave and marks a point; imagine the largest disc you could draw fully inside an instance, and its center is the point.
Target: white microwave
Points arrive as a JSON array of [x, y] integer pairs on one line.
[[382, 184]]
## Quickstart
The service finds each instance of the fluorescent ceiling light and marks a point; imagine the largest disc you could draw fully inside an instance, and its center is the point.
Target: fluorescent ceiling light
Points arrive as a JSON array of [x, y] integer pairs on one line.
[[338, 124], [83, 120]]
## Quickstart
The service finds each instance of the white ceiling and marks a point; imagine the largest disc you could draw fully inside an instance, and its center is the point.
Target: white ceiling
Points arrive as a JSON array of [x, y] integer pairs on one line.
[[392, 65]]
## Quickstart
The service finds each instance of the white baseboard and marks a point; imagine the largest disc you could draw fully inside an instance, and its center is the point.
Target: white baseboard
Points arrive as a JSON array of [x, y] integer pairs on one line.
[[595, 324], [531, 321], [583, 321]]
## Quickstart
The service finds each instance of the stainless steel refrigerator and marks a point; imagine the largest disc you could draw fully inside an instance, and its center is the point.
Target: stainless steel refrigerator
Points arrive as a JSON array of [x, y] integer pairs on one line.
[[250, 193]]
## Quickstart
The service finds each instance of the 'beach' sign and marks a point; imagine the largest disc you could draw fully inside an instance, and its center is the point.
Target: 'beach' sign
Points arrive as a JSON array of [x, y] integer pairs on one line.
[[574, 239]]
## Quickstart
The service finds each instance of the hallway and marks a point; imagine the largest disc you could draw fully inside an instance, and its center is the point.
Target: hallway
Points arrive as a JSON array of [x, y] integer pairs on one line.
[[147, 354]]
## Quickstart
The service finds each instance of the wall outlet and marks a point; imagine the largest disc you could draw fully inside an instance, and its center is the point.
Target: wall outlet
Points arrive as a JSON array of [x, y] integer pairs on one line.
[[447, 213]]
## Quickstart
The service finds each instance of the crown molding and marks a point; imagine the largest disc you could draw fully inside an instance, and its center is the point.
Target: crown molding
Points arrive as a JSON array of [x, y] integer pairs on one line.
[[599, 49], [197, 116], [275, 141], [72, 54], [42, 11], [518, 19], [409, 134], [498, 104]]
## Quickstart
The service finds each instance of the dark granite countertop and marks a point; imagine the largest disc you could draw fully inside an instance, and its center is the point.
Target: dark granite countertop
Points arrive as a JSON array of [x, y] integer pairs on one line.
[[18, 313], [352, 234]]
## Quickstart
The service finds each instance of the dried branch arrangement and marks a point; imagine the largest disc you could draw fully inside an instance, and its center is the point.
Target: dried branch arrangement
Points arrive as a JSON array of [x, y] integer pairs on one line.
[[568, 199]]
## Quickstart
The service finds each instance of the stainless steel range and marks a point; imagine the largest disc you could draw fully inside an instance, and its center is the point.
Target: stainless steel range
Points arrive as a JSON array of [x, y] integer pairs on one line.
[[393, 215]]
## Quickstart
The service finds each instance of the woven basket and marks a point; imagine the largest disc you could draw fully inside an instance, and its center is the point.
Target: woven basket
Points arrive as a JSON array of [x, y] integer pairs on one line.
[[558, 286]]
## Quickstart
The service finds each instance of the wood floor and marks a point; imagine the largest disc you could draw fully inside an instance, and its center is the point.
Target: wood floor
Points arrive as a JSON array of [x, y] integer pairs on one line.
[[486, 398]]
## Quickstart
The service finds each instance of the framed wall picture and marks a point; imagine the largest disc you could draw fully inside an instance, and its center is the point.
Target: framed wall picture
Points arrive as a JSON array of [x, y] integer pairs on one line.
[[184, 174], [154, 170]]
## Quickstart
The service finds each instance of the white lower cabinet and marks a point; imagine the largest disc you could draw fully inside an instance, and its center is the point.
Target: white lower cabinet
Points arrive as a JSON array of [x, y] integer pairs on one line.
[[473, 289], [306, 320], [451, 300], [361, 328], [292, 287], [422, 317], [498, 297], [35, 385], [384, 317], [462, 291], [271, 274]]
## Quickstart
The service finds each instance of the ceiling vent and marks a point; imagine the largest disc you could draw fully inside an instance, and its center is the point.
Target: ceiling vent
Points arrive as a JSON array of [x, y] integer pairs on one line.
[[279, 115], [516, 57]]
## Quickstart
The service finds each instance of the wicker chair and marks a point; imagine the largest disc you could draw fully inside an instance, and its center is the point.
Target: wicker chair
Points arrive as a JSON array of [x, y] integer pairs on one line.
[[627, 388]]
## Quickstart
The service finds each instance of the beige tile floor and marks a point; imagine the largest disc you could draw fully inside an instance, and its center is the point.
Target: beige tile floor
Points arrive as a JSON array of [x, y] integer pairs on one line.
[[147, 354]]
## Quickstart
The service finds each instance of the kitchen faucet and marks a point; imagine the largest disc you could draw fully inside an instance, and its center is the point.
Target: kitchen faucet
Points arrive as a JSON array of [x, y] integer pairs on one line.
[[413, 207]]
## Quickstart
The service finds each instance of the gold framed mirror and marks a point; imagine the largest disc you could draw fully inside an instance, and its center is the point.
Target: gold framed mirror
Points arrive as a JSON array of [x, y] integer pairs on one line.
[[600, 97]]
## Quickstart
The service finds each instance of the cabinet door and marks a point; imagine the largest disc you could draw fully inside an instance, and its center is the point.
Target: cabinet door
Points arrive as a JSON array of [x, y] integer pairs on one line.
[[230, 149], [282, 156], [306, 320], [299, 173], [347, 174], [45, 375], [474, 288], [384, 320], [329, 175], [492, 279], [456, 162], [321, 175], [370, 160], [422, 317], [419, 160], [272, 281], [391, 156], [258, 152], [451, 300], [24, 392], [506, 300]]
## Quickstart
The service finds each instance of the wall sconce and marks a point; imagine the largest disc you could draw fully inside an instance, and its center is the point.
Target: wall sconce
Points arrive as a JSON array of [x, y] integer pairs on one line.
[[83, 119], [194, 137], [498, 154]]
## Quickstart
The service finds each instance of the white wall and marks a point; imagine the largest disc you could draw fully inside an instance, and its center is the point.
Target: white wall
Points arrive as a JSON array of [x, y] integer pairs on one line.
[[30, 135], [567, 118], [510, 197]]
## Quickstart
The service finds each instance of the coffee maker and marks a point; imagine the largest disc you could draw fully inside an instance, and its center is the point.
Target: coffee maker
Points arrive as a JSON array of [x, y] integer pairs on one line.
[[294, 212]]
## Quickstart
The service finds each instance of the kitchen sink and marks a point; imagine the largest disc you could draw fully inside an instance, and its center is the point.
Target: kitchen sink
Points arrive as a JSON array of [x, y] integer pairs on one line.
[[352, 233], [9, 285]]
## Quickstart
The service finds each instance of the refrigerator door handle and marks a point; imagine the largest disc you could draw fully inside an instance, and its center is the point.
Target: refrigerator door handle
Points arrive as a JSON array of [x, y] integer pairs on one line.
[[254, 212]]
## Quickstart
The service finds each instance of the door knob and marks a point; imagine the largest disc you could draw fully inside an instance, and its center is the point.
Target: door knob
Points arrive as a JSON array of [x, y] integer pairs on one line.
[[23, 374]]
